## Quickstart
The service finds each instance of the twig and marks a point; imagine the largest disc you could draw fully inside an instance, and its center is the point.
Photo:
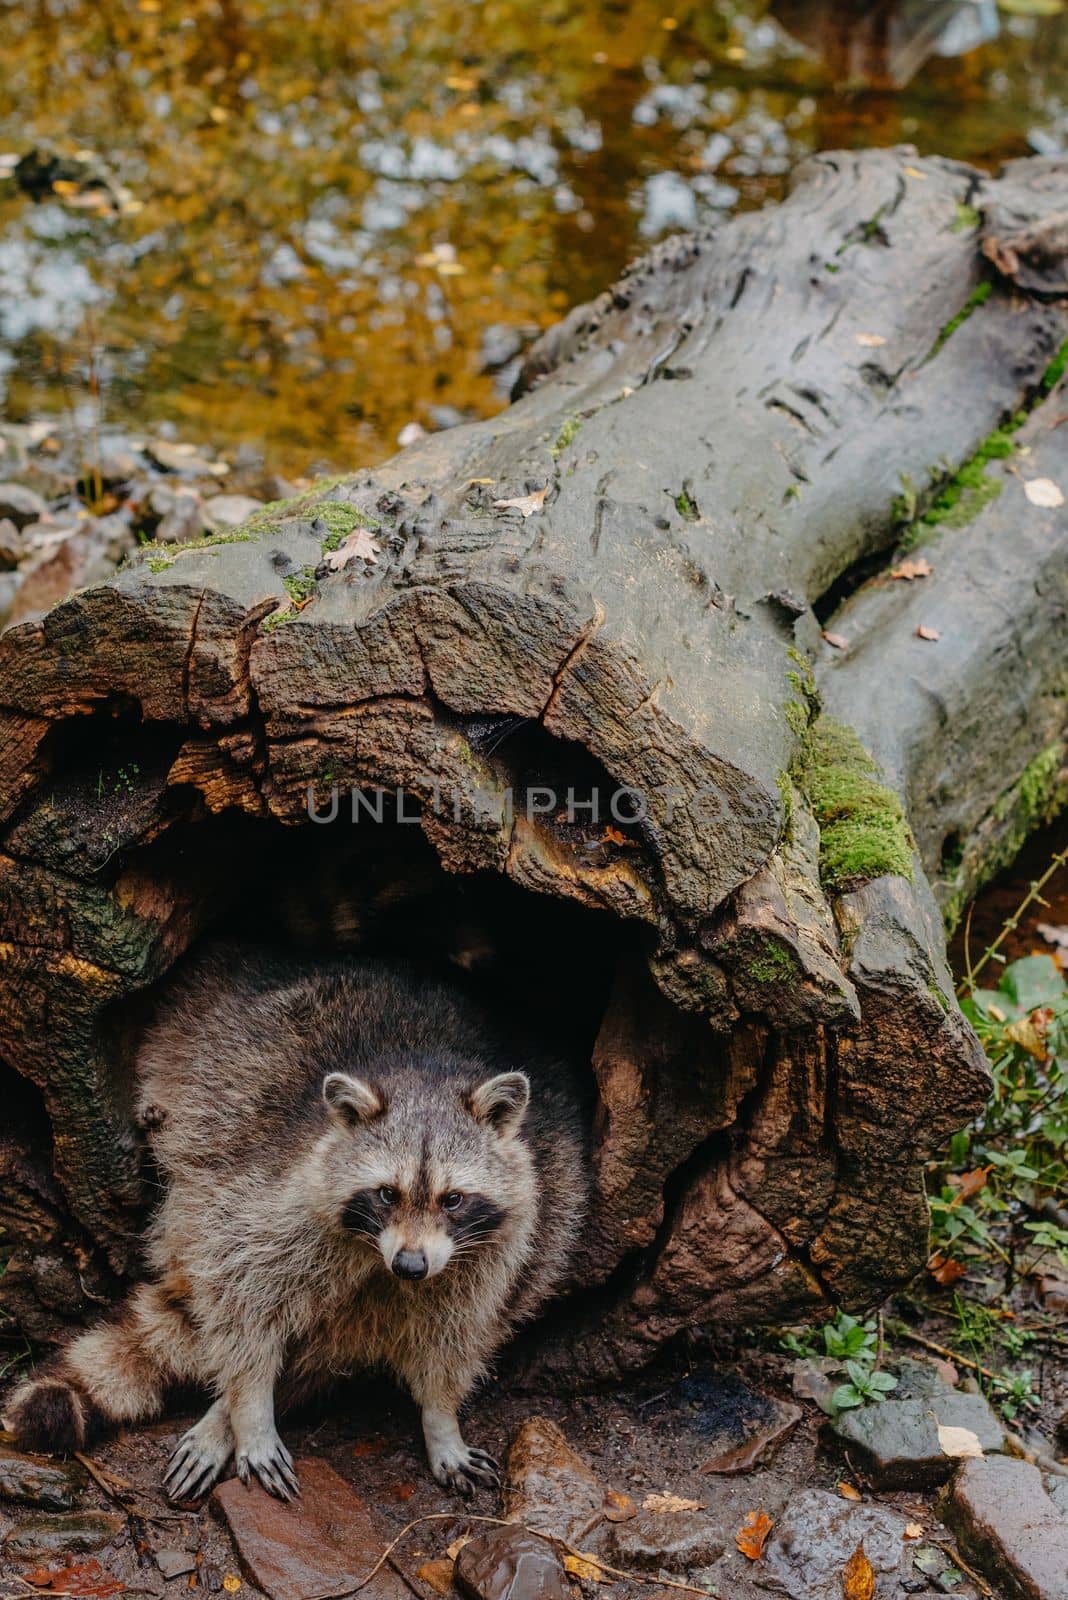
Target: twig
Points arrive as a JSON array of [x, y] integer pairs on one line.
[[944, 1351], [102, 1478], [958, 1561], [502, 1522], [1011, 923]]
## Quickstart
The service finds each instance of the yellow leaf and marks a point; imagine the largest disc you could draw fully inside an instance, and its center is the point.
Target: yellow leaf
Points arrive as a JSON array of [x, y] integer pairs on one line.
[[752, 1536], [858, 1578], [457, 1545], [584, 1566], [230, 1583], [913, 1530], [914, 172], [848, 1492], [437, 1575]]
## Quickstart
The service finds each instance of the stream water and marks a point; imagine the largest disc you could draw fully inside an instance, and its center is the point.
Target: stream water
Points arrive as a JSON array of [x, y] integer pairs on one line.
[[301, 226]]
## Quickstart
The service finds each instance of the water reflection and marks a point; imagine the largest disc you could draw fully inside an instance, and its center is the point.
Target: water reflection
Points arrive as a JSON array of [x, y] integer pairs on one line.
[[339, 221]]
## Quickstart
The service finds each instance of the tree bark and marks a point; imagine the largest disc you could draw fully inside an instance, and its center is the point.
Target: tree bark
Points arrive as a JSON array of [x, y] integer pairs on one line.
[[619, 584]]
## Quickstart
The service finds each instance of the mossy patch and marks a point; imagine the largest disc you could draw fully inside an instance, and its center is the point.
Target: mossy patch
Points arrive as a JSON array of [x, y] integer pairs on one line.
[[767, 961], [159, 563], [687, 506], [962, 496], [341, 519], [1039, 793], [1056, 370], [863, 831], [978, 297], [966, 218], [567, 435], [300, 586]]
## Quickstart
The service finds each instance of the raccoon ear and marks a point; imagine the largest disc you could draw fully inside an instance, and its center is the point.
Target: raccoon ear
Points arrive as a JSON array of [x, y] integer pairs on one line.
[[501, 1101], [351, 1099]]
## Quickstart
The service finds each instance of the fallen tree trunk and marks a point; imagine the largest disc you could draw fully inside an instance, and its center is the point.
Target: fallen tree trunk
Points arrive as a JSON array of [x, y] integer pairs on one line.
[[612, 596]]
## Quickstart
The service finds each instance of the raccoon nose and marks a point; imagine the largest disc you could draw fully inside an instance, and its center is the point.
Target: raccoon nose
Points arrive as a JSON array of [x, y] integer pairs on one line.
[[409, 1264]]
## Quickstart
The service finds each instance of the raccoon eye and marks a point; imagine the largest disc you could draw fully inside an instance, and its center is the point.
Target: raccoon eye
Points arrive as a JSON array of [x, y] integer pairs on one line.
[[452, 1201], [388, 1196]]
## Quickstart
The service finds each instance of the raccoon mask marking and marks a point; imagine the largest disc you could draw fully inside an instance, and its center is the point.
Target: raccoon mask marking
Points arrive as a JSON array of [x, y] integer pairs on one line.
[[426, 1201]]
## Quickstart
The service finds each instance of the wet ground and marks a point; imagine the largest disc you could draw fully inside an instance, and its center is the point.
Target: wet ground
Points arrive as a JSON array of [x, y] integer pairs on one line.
[[301, 228]]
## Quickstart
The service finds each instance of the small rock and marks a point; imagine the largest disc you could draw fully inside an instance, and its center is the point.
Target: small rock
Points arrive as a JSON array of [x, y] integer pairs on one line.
[[817, 1534], [547, 1486], [20, 505], [68, 1533], [229, 511], [12, 548], [9, 588], [1009, 1527], [117, 467], [184, 520], [184, 459], [508, 1564], [50, 577], [325, 1543], [175, 1563], [53, 1485], [896, 1443], [500, 343], [1057, 1489], [411, 433], [674, 1540]]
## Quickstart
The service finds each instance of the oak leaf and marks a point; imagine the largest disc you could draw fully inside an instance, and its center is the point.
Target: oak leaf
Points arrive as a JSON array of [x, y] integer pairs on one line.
[[858, 1576], [914, 567], [357, 545], [945, 1270], [752, 1536]]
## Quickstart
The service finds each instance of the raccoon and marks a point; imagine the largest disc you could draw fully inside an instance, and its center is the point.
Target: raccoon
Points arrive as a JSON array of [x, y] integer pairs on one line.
[[355, 1172]]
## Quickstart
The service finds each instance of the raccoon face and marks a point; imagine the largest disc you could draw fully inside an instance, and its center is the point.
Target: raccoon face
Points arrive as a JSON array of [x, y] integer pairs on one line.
[[428, 1169]]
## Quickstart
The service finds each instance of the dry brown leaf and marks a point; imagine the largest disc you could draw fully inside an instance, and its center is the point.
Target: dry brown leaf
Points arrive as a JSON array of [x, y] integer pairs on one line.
[[457, 1545], [959, 1442], [838, 640], [945, 1270], [438, 1574], [870, 340], [970, 1183], [84, 1578], [858, 1576], [618, 1507], [930, 634], [913, 1530], [358, 545], [752, 1536], [584, 1566], [671, 1502], [231, 1583], [527, 504], [1044, 492], [1024, 1033], [849, 1491], [914, 567]]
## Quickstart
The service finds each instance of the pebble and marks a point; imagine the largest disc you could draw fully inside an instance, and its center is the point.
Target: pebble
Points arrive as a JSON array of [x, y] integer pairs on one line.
[[815, 1537], [548, 1486], [183, 521], [34, 1481], [676, 1541], [66, 1533], [508, 1564], [896, 1444], [1009, 1527], [21, 505], [224, 511], [12, 548]]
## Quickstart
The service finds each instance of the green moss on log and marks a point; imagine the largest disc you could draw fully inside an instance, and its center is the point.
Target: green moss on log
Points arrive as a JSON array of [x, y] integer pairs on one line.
[[863, 832]]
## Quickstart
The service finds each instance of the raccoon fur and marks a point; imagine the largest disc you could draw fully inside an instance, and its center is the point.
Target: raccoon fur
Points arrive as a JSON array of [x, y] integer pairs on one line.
[[355, 1173]]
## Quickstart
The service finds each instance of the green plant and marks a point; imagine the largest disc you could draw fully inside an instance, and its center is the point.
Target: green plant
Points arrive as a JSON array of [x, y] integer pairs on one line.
[[864, 1385], [1014, 1392]]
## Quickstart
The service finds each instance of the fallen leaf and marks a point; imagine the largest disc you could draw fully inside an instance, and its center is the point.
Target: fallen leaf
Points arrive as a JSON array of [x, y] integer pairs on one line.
[[1043, 492], [457, 1545], [231, 1583], [359, 545], [870, 340], [848, 1491], [970, 1183], [914, 172], [527, 504], [470, 481], [1024, 1033], [838, 640], [438, 1574], [945, 1270], [671, 1502], [915, 567], [931, 634], [403, 1491], [618, 1507], [752, 1536], [87, 1579], [858, 1577], [913, 1530], [584, 1566], [959, 1442]]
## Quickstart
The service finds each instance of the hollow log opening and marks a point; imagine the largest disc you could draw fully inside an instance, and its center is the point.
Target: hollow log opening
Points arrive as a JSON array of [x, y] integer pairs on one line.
[[547, 697]]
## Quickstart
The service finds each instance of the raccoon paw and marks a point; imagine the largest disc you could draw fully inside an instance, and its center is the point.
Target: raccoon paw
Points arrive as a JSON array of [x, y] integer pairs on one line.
[[48, 1415], [199, 1458], [267, 1457], [465, 1470]]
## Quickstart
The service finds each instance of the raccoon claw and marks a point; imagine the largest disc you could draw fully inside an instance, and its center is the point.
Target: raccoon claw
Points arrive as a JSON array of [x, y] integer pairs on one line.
[[198, 1460], [465, 1475], [272, 1465]]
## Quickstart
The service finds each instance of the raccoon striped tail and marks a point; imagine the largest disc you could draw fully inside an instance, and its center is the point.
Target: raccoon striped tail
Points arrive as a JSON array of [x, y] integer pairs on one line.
[[53, 1414], [115, 1373]]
